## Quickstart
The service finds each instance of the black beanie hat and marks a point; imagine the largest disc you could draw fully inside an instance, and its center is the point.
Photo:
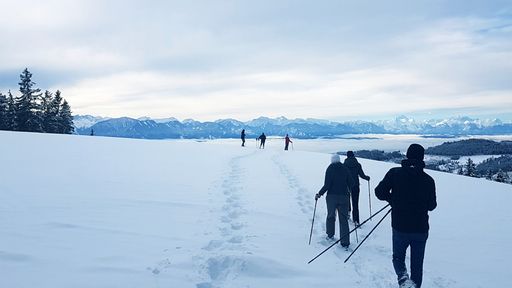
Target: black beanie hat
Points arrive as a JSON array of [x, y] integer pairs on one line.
[[415, 151], [350, 154]]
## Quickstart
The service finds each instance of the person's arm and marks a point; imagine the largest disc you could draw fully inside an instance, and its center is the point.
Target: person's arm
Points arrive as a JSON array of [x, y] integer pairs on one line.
[[383, 190], [432, 203], [361, 173], [327, 184]]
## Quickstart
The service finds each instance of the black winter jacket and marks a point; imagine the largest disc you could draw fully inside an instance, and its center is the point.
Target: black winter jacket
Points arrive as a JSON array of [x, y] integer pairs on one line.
[[338, 180], [411, 193], [355, 170]]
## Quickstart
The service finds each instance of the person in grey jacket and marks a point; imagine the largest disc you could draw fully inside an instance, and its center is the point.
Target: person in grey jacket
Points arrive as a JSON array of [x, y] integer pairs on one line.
[[356, 171], [337, 183]]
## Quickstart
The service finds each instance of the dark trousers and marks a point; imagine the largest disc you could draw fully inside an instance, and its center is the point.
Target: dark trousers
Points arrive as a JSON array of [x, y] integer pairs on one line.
[[243, 142], [262, 144], [286, 146], [355, 203], [337, 204], [417, 242]]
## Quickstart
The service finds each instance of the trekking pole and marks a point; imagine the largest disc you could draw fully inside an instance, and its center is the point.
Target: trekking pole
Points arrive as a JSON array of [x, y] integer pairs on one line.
[[367, 236], [337, 241], [357, 237], [369, 198], [312, 222], [292, 146]]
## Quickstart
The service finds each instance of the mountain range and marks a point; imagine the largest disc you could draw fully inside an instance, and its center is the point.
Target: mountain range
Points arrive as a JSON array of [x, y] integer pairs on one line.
[[172, 128]]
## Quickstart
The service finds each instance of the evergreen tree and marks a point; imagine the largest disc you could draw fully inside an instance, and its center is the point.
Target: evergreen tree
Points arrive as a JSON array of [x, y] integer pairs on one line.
[[47, 112], [500, 177], [3, 112], [489, 175], [470, 168], [11, 112], [461, 171], [66, 119], [55, 125], [28, 110]]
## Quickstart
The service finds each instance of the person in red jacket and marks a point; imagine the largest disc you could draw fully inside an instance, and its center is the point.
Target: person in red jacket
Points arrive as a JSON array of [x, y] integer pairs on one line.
[[412, 194], [287, 141]]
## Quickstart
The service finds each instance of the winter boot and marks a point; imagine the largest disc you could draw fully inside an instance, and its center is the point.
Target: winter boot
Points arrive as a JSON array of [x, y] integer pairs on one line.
[[406, 283]]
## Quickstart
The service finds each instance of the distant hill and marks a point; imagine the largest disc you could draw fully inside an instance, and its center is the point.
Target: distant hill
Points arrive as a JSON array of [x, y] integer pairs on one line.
[[471, 147], [299, 128]]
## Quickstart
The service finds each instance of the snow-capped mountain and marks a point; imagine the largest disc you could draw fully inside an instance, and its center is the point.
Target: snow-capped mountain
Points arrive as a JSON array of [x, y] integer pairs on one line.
[[86, 121], [146, 127]]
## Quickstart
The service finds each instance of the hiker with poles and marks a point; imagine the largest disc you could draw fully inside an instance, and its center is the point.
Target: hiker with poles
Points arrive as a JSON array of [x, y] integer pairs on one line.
[[356, 171], [336, 184], [262, 139], [242, 136], [287, 142], [411, 193]]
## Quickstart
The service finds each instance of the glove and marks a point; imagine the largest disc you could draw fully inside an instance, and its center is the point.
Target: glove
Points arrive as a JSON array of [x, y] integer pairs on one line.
[[317, 196], [367, 178]]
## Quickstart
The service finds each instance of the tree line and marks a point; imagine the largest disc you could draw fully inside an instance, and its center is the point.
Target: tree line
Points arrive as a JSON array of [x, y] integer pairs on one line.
[[34, 111], [471, 147]]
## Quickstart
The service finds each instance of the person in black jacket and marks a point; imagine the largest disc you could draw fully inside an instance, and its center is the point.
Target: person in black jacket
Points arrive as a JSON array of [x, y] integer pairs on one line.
[[411, 193], [356, 171], [242, 136], [262, 138], [337, 183]]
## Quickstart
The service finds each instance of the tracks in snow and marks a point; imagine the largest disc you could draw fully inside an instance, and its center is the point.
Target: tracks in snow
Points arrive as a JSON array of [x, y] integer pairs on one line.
[[230, 254], [221, 259]]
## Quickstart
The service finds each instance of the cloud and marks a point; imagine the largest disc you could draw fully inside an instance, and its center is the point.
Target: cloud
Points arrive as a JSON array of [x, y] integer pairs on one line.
[[209, 60]]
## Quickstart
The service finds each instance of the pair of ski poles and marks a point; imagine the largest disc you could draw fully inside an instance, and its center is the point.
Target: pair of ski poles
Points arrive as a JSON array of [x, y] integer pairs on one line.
[[314, 211], [337, 241], [355, 229]]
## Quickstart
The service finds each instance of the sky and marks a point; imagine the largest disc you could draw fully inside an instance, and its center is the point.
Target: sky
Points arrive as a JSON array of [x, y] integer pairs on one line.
[[207, 60]]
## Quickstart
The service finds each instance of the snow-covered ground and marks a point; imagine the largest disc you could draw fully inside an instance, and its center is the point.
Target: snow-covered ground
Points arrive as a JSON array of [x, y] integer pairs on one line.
[[80, 211]]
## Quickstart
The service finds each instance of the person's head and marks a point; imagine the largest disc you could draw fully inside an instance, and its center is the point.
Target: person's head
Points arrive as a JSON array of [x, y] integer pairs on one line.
[[350, 154], [335, 158], [286, 135], [416, 152]]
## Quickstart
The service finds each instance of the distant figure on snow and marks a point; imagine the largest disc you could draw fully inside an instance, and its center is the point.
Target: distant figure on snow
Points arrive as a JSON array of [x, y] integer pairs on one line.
[[337, 183], [262, 139], [411, 193], [287, 141], [356, 171], [242, 136]]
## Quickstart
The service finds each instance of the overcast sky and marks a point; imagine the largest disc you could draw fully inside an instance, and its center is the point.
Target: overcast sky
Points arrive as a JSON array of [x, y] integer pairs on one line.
[[206, 60]]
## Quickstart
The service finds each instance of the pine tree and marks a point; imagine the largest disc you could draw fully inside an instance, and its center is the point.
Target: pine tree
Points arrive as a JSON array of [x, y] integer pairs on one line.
[[3, 112], [500, 177], [55, 125], [470, 168], [47, 112], [66, 119], [28, 110], [11, 112], [489, 175]]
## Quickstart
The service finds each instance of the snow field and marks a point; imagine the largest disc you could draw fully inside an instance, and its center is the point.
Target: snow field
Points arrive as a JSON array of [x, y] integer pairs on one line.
[[79, 211]]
